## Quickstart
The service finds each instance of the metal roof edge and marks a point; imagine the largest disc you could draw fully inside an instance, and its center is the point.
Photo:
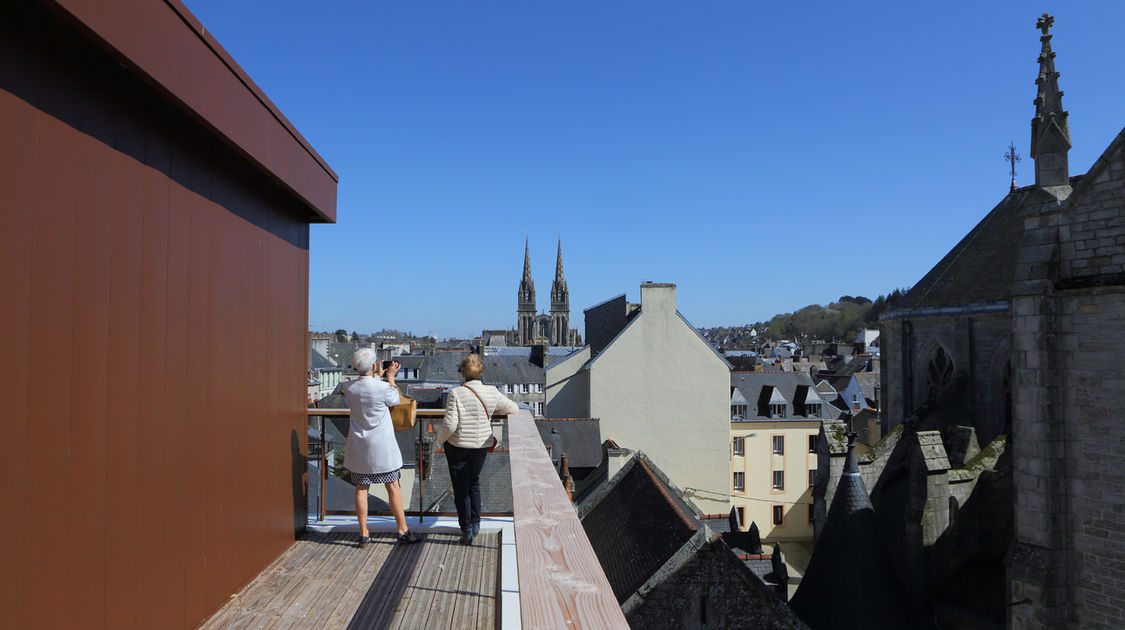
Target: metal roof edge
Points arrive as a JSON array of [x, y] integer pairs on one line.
[[968, 309]]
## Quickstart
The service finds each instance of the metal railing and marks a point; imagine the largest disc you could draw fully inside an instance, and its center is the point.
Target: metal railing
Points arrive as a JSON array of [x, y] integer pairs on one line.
[[423, 462]]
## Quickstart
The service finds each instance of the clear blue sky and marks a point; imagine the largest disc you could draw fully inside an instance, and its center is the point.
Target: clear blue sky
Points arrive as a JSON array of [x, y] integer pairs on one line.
[[762, 156]]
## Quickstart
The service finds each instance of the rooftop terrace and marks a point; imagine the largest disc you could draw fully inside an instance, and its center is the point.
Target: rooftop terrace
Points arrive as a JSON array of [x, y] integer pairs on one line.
[[533, 569]]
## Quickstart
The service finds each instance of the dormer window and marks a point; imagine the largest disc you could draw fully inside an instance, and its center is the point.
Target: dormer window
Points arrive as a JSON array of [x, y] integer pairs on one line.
[[738, 412], [777, 410], [812, 410]]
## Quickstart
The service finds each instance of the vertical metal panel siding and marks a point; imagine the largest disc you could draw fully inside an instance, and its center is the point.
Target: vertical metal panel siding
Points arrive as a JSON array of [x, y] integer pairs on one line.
[[17, 155], [155, 305]]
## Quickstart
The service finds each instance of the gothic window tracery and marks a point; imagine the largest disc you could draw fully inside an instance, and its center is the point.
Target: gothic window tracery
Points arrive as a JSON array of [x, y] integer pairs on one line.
[[939, 372]]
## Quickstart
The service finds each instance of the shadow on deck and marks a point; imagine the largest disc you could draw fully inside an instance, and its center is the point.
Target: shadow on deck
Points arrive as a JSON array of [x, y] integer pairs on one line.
[[325, 581]]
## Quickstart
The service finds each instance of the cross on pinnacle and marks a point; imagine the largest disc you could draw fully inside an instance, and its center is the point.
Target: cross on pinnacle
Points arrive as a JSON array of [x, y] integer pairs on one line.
[[1044, 23], [1012, 157]]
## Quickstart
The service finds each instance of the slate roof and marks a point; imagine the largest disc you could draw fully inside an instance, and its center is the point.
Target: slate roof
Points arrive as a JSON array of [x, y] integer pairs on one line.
[[581, 439], [981, 267], [339, 494], [868, 382], [499, 368], [785, 385], [635, 525], [604, 321], [651, 543], [442, 368], [341, 353], [554, 353], [849, 564], [411, 361], [511, 369], [495, 486], [318, 361]]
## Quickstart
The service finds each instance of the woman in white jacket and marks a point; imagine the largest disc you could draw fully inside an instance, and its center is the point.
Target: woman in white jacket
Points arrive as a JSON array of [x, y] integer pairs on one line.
[[467, 432], [371, 454]]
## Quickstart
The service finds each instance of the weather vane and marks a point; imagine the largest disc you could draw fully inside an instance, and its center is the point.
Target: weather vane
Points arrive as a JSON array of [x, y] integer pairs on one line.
[[1012, 157]]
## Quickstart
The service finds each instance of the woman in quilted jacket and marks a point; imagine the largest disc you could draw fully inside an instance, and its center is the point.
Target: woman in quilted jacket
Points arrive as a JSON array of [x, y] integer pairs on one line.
[[467, 433]]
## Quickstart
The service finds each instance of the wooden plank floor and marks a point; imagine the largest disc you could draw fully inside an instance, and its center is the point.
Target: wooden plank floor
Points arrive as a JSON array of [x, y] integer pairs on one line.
[[324, 581]]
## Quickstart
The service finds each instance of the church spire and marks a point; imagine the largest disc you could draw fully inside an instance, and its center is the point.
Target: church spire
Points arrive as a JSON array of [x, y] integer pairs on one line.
[[526, 261], [1050, 133], [560, 306], [525, 301], [558, 265]]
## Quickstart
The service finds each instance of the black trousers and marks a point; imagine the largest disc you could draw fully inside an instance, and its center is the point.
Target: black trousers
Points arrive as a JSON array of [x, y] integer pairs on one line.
[[464, 473]]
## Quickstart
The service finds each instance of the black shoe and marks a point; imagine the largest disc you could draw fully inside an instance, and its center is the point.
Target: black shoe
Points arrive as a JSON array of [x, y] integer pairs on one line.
[[476, 528], [466, 537], [408, 538], [363, 540]]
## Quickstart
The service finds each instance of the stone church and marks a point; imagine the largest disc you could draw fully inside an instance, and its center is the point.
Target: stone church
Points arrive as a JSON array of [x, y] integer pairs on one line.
[[999, 488], [533, 327]]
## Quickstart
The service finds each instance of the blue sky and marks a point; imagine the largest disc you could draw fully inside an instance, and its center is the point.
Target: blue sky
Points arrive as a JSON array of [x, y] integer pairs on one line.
[[762, 156]]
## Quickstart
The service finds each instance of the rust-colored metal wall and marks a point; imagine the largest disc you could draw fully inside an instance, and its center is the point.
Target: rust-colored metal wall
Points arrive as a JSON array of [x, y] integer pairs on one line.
[[154, 285]]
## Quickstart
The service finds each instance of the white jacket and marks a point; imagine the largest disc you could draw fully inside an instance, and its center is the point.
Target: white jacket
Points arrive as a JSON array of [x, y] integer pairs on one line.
[[371, 445], [466, 423]]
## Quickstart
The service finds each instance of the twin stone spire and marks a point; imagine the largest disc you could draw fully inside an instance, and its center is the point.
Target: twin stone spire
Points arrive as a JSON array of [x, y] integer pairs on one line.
[[532, 327]]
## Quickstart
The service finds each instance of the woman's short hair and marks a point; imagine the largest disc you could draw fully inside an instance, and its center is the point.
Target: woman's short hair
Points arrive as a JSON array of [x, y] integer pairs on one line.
[[363, 360], [472, 367]]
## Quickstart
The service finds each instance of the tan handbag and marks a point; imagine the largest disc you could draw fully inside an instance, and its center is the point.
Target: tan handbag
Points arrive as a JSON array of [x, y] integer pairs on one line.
[[404, 413]]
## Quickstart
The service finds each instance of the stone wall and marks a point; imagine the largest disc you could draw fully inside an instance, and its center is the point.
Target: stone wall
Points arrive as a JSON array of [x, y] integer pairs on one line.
[[978, 345], [1068, 565]]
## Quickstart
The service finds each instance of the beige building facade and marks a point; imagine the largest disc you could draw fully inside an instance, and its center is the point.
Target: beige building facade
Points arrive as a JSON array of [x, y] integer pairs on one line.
[[772, 469], [657, 386]]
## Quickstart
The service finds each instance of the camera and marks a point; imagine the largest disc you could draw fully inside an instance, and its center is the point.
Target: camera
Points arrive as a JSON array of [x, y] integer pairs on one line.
[[387, 364]]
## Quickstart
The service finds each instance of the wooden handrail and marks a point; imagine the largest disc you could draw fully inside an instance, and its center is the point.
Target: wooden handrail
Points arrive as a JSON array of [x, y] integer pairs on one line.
[[421, 413], [562, 584]]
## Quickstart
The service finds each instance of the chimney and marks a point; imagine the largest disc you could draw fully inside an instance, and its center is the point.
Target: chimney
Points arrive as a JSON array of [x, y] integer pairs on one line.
[[555, 447], [539, 355], [564, 475], [658, 296]]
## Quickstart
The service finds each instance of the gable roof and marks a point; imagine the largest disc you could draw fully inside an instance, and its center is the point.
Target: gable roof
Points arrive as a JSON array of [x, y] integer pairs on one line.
[[1103, 161], [980, 268], [647, 538], [635, 524]]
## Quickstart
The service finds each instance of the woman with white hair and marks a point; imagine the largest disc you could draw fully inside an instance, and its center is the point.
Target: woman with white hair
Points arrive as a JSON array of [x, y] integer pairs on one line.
[[371, 453], [466, 430]]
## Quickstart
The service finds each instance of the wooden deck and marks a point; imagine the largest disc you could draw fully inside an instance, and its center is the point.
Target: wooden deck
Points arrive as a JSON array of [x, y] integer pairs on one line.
[[324, 581]]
